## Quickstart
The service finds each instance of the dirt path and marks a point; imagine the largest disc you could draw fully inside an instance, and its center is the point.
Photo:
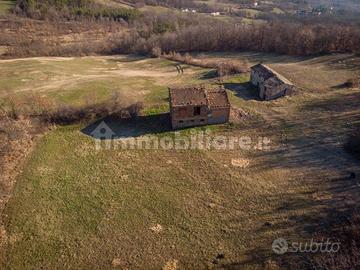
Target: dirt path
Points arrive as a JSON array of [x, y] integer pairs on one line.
[[37, 59]]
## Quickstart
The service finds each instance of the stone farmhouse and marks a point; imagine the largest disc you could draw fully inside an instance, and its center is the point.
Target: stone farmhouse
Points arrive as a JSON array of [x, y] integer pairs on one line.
[[271, 84], [196, 106]]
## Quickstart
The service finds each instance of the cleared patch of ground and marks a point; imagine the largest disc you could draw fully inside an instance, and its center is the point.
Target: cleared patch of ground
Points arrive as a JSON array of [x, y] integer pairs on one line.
[[71, 80]]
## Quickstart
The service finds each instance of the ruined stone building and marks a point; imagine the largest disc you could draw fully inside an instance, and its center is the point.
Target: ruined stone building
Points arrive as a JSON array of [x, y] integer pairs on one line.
[[195, 106], [270, 84]]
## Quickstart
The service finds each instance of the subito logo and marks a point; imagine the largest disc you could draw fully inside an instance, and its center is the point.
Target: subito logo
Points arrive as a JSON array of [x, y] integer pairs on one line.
[[280, 246]]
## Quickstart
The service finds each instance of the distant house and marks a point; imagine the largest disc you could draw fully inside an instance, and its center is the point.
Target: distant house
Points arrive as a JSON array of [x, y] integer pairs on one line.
[[215, 13], [186, 10], [196, 106], [271, 84]]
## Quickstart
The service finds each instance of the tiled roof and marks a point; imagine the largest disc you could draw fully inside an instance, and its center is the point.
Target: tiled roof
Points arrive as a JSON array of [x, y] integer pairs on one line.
[[267, 72], [198, 96], [187, 96], [218, 98]]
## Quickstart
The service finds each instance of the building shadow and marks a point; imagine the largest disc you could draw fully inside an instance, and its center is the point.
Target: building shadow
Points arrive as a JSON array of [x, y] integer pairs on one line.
[[116, 128], [244, 90], [337, 61]]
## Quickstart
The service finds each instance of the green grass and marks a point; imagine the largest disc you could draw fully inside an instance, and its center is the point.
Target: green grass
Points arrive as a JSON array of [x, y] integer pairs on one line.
[[71, 81], [78, 201], [157, 109], [98, 90], [101, 90]]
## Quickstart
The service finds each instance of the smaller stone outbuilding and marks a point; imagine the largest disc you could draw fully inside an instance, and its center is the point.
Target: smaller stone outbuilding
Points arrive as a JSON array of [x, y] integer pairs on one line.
[[270, 84], [196, 106]]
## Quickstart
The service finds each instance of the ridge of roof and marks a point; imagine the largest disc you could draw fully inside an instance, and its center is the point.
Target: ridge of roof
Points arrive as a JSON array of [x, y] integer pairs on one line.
[[272, 72]]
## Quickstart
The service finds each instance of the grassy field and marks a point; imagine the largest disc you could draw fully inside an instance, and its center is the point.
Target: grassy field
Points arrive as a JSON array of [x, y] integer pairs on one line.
[[77, 208], [114, 3], [73, 80], [250, 13]]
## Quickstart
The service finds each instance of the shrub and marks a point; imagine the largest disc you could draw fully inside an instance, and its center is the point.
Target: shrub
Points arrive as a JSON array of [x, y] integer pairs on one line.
[[162, 27], [353, 83], [156, 52], [224, 68], [49, 112], [232, 67], [65, 114]]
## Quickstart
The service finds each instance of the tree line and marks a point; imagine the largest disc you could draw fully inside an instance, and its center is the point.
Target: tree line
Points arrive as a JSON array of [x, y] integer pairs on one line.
[[146, 32], [70, 9], [275, 37]]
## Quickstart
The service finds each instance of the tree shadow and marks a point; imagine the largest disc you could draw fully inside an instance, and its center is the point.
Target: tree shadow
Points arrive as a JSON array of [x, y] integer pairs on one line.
[[314, 157], [309, 217], [337, 61], [244, 90], [315, 136], [340, 86], [116, 128]]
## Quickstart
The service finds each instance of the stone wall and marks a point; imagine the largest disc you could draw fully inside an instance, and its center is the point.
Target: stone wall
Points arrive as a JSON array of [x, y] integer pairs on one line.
[[268, 89], [219, 115], [184, 116]]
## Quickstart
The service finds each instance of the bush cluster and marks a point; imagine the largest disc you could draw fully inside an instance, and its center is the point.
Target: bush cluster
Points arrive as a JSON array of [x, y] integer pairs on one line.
[[50, 112], [223, 68]]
